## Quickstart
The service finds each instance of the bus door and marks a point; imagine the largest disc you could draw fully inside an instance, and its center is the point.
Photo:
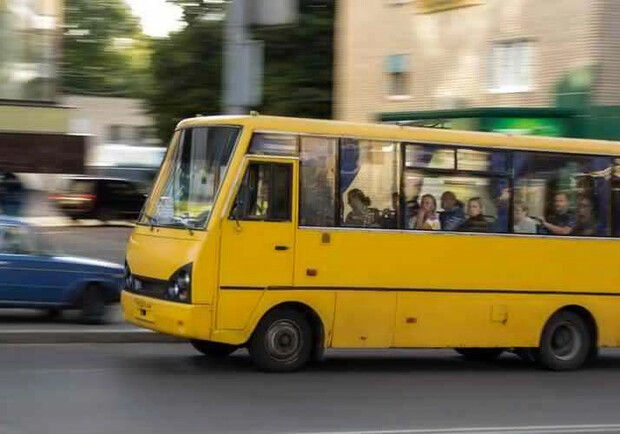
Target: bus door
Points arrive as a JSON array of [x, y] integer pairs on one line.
[[258, 235]]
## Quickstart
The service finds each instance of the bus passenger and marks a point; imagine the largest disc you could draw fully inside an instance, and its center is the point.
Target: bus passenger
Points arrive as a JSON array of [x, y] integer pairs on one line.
[[523, 224], [389, 216], [361, 215], [453, 215], [426, 218], [476, 221], [586, 223], [562, 221]]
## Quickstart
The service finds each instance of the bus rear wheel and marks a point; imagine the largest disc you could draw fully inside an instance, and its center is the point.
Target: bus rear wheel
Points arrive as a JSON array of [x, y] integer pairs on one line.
[[566, 342], [480, 354], [282, 341], [214, 350]]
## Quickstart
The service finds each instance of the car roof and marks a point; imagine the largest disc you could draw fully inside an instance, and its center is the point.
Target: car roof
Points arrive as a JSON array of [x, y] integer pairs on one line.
[[11, 221]]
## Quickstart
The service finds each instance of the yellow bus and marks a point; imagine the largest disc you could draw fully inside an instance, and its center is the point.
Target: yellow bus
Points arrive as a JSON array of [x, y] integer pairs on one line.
[[288, 236]]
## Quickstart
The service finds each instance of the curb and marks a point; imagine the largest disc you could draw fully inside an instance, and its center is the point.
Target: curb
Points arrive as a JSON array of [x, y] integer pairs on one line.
[[85, 337]]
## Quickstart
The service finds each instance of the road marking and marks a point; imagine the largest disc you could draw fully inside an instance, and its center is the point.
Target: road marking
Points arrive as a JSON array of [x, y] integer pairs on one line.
[[543, 429]]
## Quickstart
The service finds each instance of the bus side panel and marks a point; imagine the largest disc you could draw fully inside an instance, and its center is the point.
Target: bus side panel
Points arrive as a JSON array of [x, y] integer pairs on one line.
[[321, 302], [419, 265], [236, 307]]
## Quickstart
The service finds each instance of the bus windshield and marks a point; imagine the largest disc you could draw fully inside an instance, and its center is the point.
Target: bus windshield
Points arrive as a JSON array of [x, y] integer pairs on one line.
[[185, 193]]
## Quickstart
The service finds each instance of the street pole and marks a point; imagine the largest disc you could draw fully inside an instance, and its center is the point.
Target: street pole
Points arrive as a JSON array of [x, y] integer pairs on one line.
[[235, 62]]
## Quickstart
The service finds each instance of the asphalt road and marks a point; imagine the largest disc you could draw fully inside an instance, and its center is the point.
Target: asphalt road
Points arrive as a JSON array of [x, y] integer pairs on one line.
[[168, 388]]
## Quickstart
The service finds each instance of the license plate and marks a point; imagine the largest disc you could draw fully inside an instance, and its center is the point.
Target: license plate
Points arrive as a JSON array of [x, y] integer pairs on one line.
[[143, 310]]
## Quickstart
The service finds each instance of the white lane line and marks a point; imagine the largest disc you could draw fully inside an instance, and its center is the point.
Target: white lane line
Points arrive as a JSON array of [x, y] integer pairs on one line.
[[544, 429]]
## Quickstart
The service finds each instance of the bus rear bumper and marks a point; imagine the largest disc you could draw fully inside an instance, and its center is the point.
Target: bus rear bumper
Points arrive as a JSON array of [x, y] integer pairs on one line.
[[177, 319]]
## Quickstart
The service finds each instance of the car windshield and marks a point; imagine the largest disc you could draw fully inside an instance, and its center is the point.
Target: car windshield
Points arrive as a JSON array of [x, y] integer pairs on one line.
[[189, 179]]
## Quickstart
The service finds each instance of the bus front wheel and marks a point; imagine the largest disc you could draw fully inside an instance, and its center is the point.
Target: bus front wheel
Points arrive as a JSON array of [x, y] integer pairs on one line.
[[566, 342], [282, 341], [214, 350]]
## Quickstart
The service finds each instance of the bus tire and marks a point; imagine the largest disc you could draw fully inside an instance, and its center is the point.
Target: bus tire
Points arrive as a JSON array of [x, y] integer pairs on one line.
[[566, 342], [282, 341], [215, 350], [480, 354]]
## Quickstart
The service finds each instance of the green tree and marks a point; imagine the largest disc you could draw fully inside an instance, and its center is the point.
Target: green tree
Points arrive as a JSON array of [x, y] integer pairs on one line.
[[100, 40], [298, 65], [186, 71]]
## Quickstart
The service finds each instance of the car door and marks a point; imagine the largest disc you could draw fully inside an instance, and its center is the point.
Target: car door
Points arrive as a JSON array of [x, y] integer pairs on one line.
[[28, 277]]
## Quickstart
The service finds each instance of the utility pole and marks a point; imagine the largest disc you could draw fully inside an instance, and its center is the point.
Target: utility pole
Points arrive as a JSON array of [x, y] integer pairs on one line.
[[243, 57], [235, 60]]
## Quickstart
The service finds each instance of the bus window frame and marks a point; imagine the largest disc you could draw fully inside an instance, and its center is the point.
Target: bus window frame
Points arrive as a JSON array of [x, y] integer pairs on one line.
[[508, 174], [216, 196]]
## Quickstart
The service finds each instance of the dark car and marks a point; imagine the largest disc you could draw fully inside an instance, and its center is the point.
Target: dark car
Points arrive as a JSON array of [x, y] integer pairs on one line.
[[101, 198], [32, 275]]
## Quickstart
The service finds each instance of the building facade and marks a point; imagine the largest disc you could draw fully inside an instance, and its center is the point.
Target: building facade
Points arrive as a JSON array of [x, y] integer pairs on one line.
[[34, 127], [547, 67]]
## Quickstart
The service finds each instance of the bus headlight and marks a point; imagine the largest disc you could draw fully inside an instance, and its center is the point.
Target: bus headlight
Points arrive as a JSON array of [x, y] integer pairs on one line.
[[180, 285], [128, 278]]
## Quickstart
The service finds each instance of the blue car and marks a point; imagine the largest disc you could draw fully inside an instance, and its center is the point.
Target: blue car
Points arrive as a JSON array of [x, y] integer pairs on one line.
[[32, 275]]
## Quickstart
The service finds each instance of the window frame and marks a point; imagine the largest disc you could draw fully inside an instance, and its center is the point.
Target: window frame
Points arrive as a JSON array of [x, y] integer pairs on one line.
[[508, 175], [282, 161], [494, 82]]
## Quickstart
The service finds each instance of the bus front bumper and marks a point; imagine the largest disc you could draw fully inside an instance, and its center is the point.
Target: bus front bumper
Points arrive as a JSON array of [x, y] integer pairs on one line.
[[177, 319]]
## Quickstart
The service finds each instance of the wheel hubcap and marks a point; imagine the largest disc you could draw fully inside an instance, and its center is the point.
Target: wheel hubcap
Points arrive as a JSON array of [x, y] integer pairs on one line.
[[566, 341], [283, 340]]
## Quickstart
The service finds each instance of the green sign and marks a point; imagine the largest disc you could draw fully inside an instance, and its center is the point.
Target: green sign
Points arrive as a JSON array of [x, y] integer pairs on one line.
[[526, 126]]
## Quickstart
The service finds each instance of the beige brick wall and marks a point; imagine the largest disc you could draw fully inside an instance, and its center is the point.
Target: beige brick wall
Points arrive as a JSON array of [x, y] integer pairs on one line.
[[449, 51], [607, 52]]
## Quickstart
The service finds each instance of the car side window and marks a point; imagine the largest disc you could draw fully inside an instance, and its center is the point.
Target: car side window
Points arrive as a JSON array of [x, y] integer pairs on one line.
[[17, 241]]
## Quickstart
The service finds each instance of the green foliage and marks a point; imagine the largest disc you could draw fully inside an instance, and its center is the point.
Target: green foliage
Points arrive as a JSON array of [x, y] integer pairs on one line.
[[99, 42], [298, 65], [186, 70]]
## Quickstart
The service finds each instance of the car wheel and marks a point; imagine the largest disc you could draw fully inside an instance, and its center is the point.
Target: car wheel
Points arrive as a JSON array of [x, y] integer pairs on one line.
[[480, 354], [93, 305], [52, 313], [566, 342], [282, 341], [214, 350]]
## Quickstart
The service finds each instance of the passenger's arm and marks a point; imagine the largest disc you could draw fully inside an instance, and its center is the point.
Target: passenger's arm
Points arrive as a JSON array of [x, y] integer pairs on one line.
[[557, 230]]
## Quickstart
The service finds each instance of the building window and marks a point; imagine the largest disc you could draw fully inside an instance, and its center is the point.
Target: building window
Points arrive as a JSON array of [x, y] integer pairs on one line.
[[510, 67], [397, 70]]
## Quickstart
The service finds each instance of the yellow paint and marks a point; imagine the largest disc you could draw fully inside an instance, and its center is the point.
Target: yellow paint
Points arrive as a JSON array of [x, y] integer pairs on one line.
[[235, 308], [34, 119], [177, 319], [431, 6], [411, 286]]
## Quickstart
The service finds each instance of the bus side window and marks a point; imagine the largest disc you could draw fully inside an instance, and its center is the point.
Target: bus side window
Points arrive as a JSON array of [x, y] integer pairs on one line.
[[265, 193]]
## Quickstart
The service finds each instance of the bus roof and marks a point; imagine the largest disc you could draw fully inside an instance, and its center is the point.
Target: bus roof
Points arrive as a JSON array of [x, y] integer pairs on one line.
[[406, 133]]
